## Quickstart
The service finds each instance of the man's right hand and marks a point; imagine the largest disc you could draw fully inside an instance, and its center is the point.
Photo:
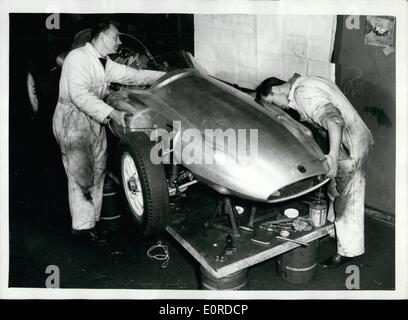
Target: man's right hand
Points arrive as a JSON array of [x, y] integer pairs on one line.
[[118, 117], [333, 161]]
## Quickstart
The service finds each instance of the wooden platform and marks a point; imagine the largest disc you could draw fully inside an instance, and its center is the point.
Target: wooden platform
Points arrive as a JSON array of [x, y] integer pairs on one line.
[[205, 244]]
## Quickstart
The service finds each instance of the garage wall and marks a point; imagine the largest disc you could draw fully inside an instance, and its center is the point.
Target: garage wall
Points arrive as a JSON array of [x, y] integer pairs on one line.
[[246, 49], [367, 77]]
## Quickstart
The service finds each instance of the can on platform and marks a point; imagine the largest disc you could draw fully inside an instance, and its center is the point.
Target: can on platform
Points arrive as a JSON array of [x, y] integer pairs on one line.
[[318, 213], [234, 281], [299, 265], [110, 213]]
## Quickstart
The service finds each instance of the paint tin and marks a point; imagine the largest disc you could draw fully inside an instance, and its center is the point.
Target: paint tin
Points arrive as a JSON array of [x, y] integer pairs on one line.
[[291, 213], [318, 213]]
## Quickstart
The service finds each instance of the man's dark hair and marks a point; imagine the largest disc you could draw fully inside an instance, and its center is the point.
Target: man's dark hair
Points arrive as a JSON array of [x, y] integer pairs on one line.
[[102, 25], [265, 87]]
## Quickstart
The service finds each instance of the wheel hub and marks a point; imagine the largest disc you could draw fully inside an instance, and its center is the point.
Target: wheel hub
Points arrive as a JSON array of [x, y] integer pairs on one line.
[[132, 185]]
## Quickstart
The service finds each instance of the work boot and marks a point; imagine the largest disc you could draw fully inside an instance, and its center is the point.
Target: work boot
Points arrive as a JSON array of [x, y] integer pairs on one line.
[[88, 236], [101, 230], [335, 261]]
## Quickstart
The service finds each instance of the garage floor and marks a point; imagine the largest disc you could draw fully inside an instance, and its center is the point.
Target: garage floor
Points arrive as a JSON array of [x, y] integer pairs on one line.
[[40, 236]]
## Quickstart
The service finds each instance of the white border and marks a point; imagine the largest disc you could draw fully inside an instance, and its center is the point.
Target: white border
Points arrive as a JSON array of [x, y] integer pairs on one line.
[[396, 8]]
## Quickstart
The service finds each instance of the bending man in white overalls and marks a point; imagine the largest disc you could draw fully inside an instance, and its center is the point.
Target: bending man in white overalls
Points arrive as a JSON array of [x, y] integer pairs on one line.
[[322, 104], [80, 116]]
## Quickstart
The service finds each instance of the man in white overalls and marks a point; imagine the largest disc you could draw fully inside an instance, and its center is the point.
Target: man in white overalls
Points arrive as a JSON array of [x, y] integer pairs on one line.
[[321, 103], [79, 119]]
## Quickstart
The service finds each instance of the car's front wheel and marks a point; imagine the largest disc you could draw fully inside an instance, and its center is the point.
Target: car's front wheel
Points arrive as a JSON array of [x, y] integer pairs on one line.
[[144, 184]]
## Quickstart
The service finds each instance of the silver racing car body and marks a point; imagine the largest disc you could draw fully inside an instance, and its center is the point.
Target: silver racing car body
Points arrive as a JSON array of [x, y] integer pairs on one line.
[[285, 163]]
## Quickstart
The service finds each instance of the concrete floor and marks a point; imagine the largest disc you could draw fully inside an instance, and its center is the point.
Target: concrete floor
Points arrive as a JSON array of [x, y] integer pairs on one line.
[[40, 236]]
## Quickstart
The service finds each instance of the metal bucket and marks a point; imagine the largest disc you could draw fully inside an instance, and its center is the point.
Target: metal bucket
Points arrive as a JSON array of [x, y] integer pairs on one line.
[[299, 265], [110, 213], [235, 281]]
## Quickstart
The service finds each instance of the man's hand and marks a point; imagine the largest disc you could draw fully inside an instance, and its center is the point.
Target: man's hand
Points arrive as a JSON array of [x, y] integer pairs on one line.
[[333, 162], [118, 117]]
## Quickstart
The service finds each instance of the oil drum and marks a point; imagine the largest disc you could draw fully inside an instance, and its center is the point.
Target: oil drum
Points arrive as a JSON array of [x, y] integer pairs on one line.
[[110, 214], [299, 265], [234, 281]]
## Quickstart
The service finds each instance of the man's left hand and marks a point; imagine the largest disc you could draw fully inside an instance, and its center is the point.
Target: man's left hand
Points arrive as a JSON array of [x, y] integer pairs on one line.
[[118, 117]]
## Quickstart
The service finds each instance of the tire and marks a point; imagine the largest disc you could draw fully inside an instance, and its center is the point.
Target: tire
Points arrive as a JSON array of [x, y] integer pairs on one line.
[[147, 194], [41, 88], [37, 88], [32, 89]]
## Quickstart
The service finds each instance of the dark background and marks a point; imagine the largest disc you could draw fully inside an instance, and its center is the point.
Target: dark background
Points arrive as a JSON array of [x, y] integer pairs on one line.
[[38, 210]]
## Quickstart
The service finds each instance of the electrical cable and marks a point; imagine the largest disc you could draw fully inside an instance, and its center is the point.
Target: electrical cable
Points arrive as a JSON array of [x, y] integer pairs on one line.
[[159, 256]]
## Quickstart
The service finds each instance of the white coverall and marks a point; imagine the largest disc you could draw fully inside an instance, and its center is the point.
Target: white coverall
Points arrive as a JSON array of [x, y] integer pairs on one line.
[[318, 100], [78, 126]]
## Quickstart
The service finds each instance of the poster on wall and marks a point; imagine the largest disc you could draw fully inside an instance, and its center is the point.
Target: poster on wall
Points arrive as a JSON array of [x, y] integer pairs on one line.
[[379, 31]]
